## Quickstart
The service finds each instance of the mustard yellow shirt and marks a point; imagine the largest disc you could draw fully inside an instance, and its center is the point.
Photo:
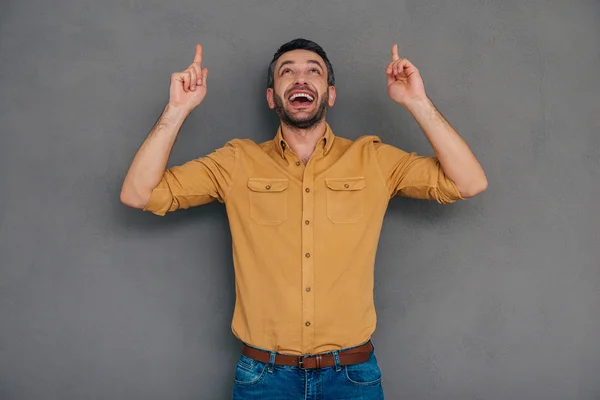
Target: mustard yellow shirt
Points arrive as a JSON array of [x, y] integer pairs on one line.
[[304, 236]]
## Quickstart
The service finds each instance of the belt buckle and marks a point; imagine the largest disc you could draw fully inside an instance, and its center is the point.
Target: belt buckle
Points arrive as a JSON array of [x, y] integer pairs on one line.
[[317, 357], [300, 365]]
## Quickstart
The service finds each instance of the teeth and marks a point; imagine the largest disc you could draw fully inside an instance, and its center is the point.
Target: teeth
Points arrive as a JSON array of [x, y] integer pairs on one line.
[[295, 96]]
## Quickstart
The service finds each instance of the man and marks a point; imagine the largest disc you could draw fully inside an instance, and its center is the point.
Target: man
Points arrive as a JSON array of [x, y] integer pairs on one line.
[[305, 211]]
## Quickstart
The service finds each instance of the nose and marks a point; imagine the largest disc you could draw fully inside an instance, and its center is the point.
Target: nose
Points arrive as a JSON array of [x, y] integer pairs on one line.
[[301, 79]]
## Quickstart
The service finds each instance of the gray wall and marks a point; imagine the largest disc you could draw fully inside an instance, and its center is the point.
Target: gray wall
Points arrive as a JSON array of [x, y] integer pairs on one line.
[[494, 298]]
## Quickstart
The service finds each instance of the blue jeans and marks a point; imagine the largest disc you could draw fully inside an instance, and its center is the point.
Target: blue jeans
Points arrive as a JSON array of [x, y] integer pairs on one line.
[[267, 381]]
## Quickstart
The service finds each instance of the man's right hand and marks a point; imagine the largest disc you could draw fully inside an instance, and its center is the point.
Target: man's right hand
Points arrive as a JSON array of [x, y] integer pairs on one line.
[[188, 88]]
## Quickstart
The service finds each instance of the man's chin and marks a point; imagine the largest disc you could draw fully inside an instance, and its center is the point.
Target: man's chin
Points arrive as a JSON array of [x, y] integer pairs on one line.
[[300, 114], [302, 121]]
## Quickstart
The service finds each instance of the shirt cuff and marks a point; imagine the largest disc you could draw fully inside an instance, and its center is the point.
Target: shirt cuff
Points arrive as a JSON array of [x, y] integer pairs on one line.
[[447, 192], [160, 201]]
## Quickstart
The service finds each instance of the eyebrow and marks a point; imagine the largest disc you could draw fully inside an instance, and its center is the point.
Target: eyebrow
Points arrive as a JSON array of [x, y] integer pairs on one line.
[[292, 62]]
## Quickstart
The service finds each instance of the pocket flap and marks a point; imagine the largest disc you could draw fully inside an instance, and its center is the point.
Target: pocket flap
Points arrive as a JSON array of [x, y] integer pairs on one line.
[[267, 184], [356, 183]]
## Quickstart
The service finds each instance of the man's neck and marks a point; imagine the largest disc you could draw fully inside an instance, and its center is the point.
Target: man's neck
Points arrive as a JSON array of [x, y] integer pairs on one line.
[[303, 141]]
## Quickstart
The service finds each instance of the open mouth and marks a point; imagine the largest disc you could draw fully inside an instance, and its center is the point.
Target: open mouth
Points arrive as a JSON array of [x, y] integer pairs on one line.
[[301, 99]]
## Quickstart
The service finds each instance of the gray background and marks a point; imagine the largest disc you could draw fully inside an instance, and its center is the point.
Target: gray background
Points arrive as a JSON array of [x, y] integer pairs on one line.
[[494, 298]]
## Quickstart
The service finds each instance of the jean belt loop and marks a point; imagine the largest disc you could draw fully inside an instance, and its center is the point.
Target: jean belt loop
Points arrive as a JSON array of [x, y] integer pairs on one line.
[[271, 362], [336, 358]]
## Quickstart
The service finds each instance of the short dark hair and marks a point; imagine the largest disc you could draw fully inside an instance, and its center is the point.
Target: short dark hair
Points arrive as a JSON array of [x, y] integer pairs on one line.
[[300, 44]]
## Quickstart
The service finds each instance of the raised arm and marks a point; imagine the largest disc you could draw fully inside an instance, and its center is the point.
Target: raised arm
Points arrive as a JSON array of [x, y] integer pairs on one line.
[[405, 87], [186, 92]]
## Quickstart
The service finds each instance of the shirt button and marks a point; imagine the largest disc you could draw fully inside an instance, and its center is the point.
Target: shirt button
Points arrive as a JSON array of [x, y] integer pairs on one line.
[[297, 162], [346, 186], [307, 222], [308, 289], [307, 255], [307, 323], [307, 190], [268, 187]]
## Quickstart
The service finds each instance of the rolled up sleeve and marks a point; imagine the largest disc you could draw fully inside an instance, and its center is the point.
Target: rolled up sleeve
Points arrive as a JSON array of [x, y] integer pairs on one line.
[[411, 175], [196, 182]]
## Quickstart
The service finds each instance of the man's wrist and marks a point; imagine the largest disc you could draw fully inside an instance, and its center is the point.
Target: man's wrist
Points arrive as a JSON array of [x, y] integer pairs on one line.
[[418, 105], [176, 113]]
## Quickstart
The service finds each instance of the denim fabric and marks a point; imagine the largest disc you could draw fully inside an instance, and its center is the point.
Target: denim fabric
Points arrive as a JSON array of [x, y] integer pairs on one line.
[[266, 381]]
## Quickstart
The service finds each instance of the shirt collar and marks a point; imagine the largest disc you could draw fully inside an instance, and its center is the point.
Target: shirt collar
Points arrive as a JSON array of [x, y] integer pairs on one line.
[[326, 141]]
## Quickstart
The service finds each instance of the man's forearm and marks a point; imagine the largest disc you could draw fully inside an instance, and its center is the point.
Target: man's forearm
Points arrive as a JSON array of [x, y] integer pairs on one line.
[[148, 165], [456, 158]]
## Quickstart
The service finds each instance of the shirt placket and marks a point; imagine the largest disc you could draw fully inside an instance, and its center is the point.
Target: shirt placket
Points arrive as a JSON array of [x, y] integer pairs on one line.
[[308, 259]]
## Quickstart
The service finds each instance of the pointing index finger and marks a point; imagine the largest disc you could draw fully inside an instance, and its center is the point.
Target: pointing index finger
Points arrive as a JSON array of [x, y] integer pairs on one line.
[[395, 56], [198, 56]]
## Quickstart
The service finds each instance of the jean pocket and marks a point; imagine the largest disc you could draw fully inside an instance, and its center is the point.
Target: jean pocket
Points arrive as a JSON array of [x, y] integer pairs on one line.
[[249, 371], [364, 374]]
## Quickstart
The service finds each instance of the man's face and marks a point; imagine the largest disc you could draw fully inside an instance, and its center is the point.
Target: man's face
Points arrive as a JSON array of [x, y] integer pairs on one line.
[[300, 93]]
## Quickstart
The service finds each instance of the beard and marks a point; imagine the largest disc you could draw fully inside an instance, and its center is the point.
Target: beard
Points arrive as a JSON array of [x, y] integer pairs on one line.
[[304, 122]]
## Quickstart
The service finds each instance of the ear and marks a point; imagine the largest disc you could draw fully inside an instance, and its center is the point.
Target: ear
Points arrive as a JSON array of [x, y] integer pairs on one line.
[[270, 100], [331, 96]]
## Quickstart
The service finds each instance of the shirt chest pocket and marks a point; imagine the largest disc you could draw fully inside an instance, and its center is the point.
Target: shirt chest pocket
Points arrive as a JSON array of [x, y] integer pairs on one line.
[[268, 200], [345, 199]]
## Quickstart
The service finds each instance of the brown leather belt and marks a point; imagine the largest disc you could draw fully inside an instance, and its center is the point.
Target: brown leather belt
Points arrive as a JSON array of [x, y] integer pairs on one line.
[[352, 356]]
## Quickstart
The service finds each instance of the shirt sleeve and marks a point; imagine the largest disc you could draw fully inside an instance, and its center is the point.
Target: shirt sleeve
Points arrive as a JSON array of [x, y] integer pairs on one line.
[[196, 182], [411, 175]]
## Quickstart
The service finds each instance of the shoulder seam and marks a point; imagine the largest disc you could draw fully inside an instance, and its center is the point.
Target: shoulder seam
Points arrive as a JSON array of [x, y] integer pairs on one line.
[[385, 187], [235, 168]]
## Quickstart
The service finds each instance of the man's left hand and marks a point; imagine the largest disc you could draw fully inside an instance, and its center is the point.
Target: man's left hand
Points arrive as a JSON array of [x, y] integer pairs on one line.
[[404, 80]]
